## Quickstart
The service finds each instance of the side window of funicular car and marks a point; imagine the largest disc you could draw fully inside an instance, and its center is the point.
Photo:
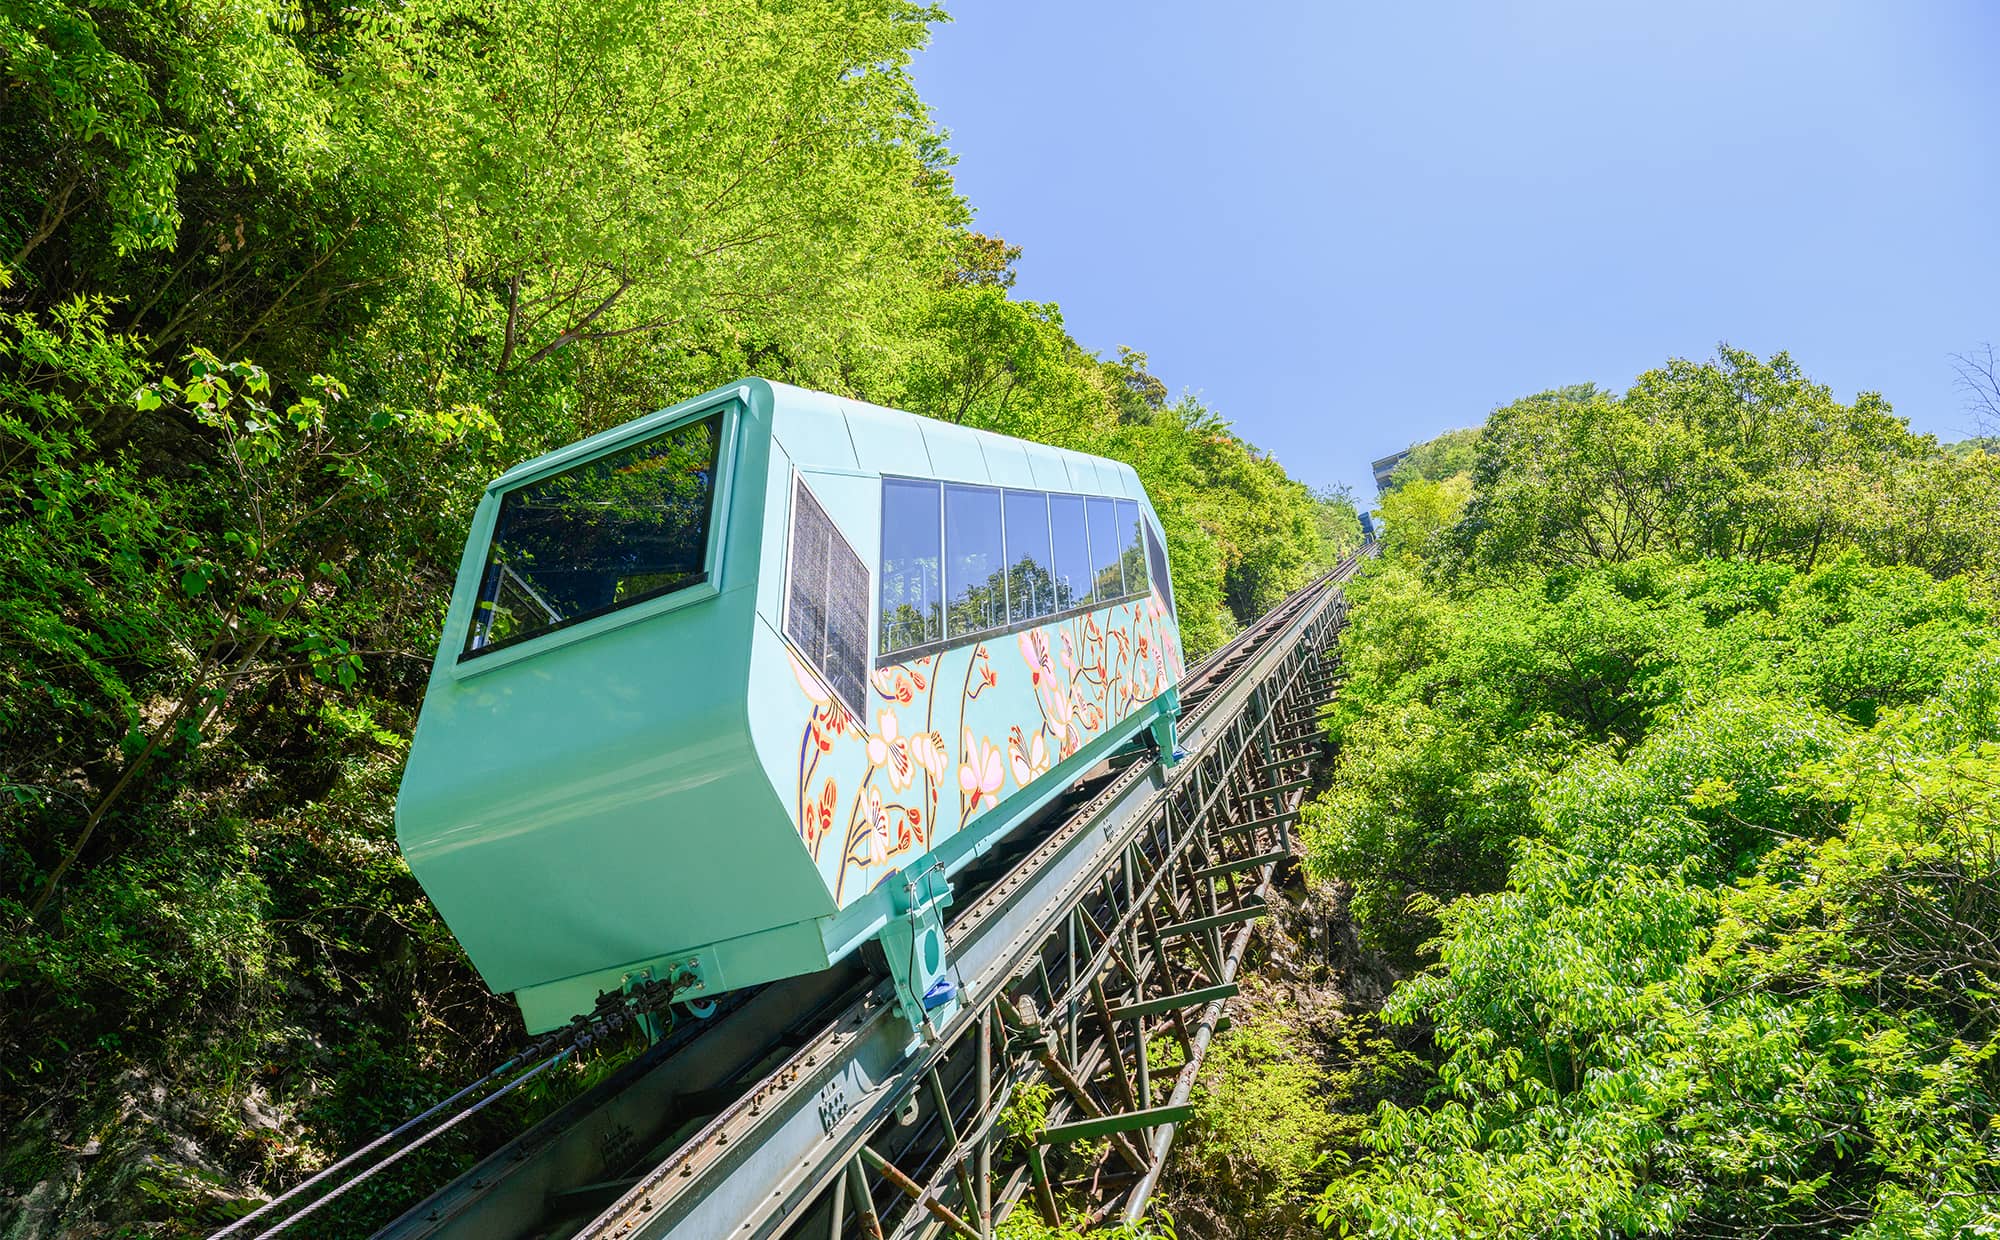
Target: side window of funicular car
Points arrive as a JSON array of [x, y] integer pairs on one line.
[[610, 532], [912, 565], [1106, 575], [1030, 584], [1071, 537], [975, 574], [959, 560], [1158, 557], [1131, 556]]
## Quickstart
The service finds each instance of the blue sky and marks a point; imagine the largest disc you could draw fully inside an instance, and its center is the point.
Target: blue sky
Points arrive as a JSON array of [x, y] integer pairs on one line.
[[1349, 227]]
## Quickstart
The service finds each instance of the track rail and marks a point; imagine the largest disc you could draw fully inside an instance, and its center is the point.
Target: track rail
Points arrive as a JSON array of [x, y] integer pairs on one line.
[[1106, 932]]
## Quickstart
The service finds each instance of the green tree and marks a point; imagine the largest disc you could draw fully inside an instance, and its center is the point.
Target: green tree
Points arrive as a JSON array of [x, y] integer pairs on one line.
[[1440, 459], [1338, 518], [1003, 365], [1735, 457], [1417, 510], [784, 195], [1670, 763]]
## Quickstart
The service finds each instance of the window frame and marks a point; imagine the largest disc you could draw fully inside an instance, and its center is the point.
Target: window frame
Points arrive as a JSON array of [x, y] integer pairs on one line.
[[909, 653], [472, 566]]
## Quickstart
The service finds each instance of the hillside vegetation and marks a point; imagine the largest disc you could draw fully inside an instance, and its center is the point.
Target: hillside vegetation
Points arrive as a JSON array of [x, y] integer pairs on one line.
[[1667, 757], [281, 287]]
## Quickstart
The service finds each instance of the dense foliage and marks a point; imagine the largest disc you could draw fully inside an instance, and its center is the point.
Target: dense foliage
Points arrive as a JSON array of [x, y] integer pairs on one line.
[[280, 288], [1439, 459], [1668, 750]]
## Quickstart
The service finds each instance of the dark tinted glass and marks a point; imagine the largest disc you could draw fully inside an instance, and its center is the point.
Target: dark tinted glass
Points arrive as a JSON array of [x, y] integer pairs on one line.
[[912, 565], [610, 532], [1104, 542], [1158, 556], [1072, 551], [1031, 588], [975, 578], [1131, 554]]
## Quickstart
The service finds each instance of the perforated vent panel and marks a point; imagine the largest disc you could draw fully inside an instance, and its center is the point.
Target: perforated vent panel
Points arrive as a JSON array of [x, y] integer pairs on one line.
[[826, 600], [805, 603], [847, 623]]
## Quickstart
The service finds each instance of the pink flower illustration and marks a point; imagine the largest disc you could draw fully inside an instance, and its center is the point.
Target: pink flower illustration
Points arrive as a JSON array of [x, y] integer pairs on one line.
[[896, 684], [877, 841], [1029, 758], [895, 829], [830, 718], [1051, 686], [980, 774], [886, 749], [927, 748]]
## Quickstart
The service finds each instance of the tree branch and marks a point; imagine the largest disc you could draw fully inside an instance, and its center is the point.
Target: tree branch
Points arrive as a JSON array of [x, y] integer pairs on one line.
[[576, 330]]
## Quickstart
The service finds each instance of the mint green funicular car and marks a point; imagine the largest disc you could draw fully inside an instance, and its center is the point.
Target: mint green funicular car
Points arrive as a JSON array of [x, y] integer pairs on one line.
[[729, 690]]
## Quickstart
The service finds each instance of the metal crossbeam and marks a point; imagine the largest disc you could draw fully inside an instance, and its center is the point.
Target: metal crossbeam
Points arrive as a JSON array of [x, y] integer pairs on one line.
[[1091, 1129], [1242, 863], [1214, 921], [1169, 1003], [1258, 824], [1282, 763], [1288, 786]]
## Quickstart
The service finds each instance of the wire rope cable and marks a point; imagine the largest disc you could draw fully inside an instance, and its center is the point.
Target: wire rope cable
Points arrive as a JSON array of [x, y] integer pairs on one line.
[[466, 1114], [614, 1011], [321, 1175]]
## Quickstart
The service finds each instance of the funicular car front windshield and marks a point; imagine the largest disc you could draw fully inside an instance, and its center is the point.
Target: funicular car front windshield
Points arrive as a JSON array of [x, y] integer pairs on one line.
[[616, 530]]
